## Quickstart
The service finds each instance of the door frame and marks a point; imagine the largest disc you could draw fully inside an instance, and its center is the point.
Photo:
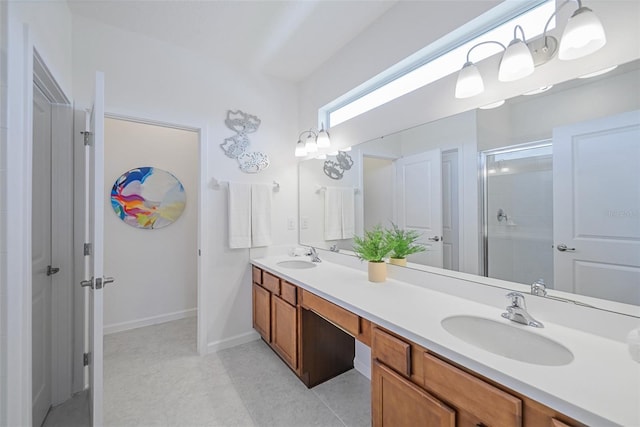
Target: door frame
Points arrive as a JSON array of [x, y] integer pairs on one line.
[[27, 69], [62, 312], [202, 227]]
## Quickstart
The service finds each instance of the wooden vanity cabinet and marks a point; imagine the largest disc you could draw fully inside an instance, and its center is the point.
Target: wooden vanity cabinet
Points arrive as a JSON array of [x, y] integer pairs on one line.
[[397, 402], [447, 394], [410, 385], [310, 338], [262, 311], [284, 325], [275, 315]]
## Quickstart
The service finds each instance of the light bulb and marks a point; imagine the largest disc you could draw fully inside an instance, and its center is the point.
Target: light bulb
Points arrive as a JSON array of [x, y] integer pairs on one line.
[[469, 81], [582, 35], [311, 145], [301, 151], [323, 140], [516, 63]]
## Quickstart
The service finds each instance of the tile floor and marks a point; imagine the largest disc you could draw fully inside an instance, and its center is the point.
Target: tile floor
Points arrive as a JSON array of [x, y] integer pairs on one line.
[[154, 377]]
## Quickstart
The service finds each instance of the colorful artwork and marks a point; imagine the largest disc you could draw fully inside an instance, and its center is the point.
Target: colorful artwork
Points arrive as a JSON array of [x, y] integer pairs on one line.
[[148, 197]]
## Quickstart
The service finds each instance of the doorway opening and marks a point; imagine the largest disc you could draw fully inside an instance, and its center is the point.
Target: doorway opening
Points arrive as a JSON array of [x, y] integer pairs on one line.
[[156, 268]]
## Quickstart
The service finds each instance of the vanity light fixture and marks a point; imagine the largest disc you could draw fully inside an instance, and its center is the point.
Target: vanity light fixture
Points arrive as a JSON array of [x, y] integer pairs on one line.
[[313, 141], [583, 35]]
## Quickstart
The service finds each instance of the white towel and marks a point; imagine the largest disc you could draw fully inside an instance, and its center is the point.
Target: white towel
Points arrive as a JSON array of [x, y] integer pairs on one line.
[[348, 213], [332, 213], [239, 215], [261, 214]]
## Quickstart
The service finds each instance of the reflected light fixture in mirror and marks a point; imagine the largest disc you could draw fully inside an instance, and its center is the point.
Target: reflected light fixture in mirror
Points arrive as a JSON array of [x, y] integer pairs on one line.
[[314, 141], [582, 36]]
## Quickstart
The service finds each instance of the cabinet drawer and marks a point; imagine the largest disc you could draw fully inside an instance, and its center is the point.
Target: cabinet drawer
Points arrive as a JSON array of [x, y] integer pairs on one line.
[[391, 351], [256, 273], [486, 403], [271, 283], [288, 292], [337, 315], [557, 423]]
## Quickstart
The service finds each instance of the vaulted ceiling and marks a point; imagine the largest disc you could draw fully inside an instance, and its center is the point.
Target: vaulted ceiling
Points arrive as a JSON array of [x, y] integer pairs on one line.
[[285, 39]]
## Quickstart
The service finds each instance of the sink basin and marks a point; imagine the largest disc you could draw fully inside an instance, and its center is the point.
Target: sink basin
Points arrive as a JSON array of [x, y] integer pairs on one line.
[[297, 264], [507, 340]]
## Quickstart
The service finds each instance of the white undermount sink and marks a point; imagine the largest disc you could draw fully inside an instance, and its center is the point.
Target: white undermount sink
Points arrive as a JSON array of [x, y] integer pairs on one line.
[[296, 264], [509, 341]]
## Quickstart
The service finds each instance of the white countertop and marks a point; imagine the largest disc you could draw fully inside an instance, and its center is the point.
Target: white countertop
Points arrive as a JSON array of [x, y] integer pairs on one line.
[[600, 387]]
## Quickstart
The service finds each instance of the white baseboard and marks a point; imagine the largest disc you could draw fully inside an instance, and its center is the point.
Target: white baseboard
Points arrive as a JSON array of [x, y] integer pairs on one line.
[[212, 347], [362, 361], [148, 321]]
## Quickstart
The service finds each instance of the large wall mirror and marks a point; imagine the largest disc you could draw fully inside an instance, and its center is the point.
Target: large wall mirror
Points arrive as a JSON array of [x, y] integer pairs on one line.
[[546, 186]]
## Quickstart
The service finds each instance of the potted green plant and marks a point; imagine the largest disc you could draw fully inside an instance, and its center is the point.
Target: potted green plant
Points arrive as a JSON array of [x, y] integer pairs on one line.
[[374, 247], [404, 244]]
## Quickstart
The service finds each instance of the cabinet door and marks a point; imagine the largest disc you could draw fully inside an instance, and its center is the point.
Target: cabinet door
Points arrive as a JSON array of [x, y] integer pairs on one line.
[[284, 322], [397, 402], [262, 312]]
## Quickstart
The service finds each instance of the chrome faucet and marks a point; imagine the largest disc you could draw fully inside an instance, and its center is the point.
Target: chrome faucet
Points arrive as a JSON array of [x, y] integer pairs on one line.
[[314, 255], [538, 288], [517, 311]]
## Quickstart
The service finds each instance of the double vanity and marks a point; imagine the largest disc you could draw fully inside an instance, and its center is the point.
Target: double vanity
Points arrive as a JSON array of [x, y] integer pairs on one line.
[[439, 358]]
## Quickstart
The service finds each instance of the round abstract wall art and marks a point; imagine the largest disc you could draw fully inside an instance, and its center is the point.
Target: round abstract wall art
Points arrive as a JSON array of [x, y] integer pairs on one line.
[[148, 198]]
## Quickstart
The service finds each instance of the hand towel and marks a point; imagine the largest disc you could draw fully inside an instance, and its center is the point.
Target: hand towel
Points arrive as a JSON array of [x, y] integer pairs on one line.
[[239, 215], [332, 213], [348, 212], [261, 214]]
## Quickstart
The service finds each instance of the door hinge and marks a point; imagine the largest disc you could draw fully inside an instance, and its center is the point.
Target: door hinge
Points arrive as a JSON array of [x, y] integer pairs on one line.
[[86, 359], [88, 249], [88, 140]]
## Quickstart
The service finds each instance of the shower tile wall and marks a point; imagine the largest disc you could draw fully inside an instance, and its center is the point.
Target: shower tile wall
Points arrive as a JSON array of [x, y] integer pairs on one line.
[[520, 248]]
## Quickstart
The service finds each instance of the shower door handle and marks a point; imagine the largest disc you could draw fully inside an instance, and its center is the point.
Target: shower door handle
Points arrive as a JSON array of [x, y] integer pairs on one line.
[[563, 248]]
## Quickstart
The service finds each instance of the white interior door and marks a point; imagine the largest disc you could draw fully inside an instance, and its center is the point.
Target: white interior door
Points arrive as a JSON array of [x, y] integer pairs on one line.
[[596, 203], [419, 202], [94, 257], [41, 258]]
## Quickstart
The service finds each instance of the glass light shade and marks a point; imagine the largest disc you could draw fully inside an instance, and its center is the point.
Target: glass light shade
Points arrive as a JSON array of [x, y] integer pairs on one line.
[[582, 35], [469, 81], [323, 140], [516, 63], [311, 145], [301, 151]]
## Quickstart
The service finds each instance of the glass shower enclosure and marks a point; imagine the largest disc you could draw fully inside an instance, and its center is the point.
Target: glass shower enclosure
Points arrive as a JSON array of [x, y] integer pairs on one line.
[[517, 213]]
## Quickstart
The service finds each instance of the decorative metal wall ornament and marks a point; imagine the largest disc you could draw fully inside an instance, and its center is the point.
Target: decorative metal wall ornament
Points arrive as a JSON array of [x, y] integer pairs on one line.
[[335, 169], [235, 147]]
